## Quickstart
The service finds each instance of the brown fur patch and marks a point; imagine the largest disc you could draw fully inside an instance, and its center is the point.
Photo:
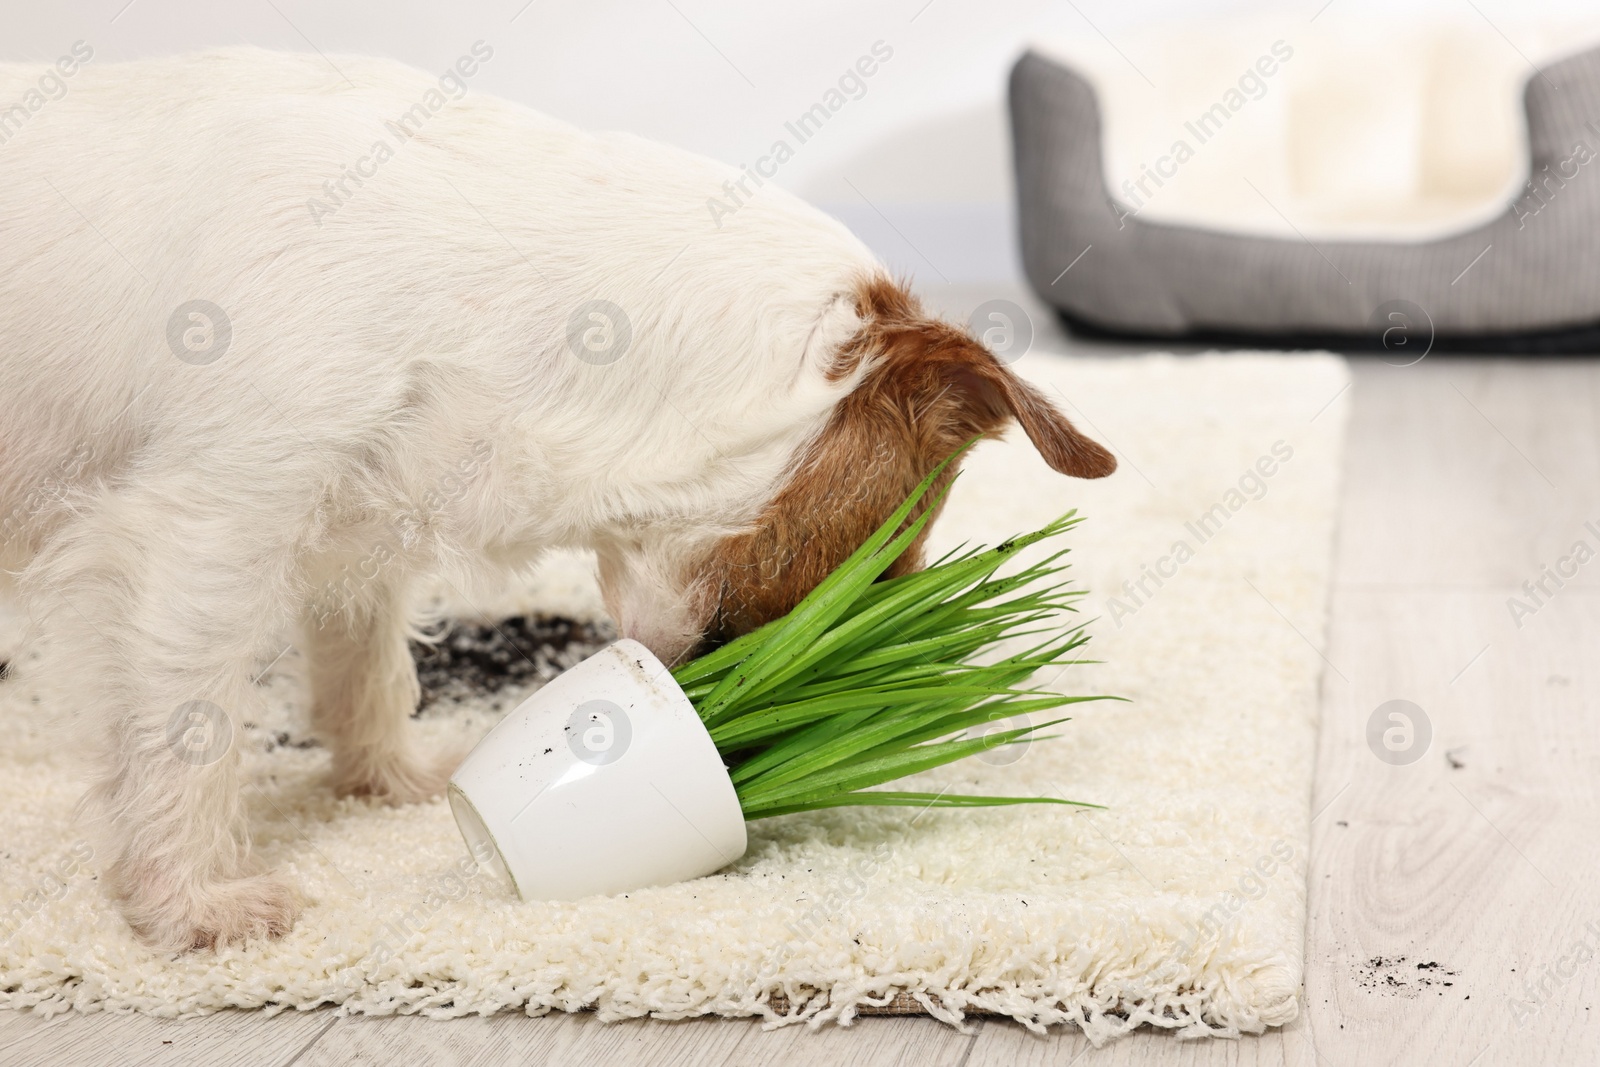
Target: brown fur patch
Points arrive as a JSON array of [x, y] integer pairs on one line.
[[929, 387]]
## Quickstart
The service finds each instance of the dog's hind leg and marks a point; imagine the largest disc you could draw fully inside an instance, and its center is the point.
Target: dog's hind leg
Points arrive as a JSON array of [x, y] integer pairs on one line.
[[155, 602]]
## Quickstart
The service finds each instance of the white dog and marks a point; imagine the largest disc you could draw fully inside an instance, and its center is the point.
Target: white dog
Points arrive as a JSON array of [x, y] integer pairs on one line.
[[278, 336]]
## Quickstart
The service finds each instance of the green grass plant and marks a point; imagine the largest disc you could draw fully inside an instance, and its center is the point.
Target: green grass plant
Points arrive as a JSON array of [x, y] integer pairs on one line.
[[868, 681]]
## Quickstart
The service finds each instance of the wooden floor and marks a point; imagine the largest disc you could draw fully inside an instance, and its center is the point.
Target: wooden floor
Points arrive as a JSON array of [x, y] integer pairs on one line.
[[1451, 898]]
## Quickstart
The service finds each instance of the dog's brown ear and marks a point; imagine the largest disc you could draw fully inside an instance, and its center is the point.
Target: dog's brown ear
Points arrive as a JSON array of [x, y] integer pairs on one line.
[[993, 389]]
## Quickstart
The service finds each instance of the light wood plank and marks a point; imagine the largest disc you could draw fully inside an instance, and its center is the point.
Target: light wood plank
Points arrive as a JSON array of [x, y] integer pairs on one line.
[[474, 1040], [909, 1041], [1478, 857], [1008, 1044], [1484, 868], [559, 1038], [237, 1038], [1465, 472]]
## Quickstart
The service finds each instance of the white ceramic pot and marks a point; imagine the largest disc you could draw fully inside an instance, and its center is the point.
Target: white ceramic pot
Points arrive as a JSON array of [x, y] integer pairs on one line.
[[603, 781]]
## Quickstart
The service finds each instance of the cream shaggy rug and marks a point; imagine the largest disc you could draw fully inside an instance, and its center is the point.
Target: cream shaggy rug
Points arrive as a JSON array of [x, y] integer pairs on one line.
[[1181, 905]]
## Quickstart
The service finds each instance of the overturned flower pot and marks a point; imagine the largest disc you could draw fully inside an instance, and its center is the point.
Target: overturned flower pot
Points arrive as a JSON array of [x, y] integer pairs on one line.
[[603, 781]]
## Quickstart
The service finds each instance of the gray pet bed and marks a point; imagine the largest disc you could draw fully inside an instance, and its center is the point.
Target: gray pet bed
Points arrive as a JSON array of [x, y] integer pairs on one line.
[[1538, 291]]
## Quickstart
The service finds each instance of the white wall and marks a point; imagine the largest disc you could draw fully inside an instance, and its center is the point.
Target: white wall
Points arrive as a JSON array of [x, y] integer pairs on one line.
[[918, 164]]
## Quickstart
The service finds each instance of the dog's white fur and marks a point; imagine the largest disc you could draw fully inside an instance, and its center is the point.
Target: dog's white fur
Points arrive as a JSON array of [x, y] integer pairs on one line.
[[408, 353]]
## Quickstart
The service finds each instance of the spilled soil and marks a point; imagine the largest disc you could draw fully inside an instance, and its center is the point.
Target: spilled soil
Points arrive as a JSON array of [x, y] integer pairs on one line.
[[472, 661], [1402, 977]]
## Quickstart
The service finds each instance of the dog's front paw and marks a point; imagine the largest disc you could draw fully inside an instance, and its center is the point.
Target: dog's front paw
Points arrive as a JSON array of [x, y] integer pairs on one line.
[[210, 914], [408, 780]]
